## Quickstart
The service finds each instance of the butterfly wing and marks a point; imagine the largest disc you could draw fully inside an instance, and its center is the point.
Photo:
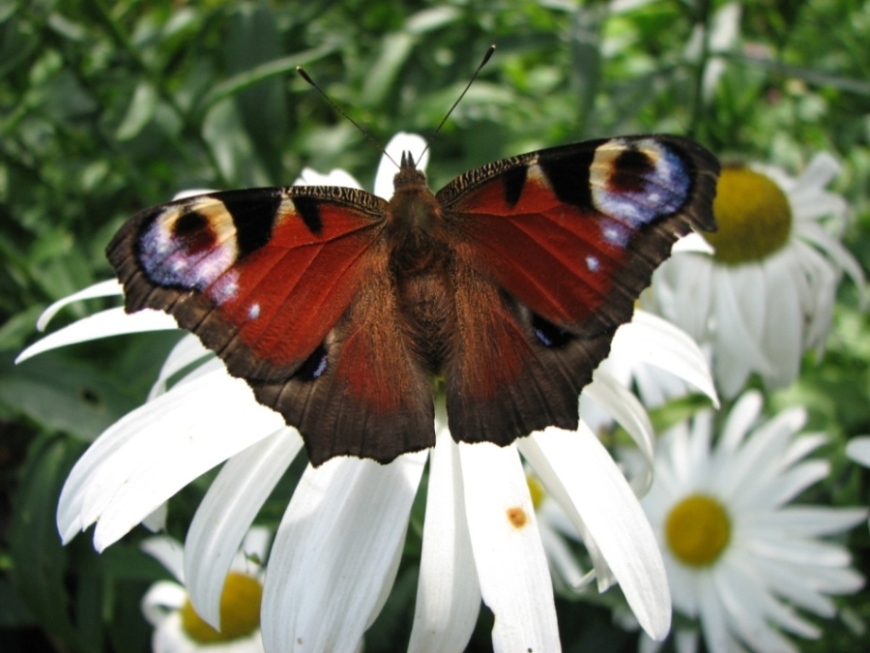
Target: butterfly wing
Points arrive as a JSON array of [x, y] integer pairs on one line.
[[286, 286], [562, 242]]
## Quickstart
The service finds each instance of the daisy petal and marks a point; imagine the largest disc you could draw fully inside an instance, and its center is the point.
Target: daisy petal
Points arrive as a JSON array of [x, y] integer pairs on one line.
[[335, 177], [101, 289], [692, 242], [333, 552], [688, 279], [112, 322], [217, 415], [714, 619], [631, 415], [742, 416], [156, 521], [387, 169], [561, 558], [193, 192], [578, 472], [822, 169], [838, 254], [735, 362], [858, 450], [161, 597], [187, 351], [810, 204], [448, 594], [656, 341], [783, 334], [226, 513], [168, 552], [511, 563]]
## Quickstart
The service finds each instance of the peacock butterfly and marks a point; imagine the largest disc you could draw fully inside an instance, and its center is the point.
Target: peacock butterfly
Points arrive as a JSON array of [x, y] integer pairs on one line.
[[346, 312]]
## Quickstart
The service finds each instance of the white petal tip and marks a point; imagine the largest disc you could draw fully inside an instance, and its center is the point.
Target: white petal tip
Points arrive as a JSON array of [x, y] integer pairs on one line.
[[693, 242], [101, 289], [192, 192]]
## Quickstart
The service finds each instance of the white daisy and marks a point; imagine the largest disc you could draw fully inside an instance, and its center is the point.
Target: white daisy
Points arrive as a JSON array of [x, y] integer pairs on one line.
[[177, 626], [337, 549], [740, 560], [765, 292]]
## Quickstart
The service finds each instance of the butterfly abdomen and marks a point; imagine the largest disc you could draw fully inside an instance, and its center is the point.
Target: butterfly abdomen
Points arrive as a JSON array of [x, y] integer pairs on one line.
[[420, 270]]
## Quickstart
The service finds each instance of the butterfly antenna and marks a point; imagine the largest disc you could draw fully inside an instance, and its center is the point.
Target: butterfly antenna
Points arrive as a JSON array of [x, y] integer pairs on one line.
[[371, 139], [489, 52]]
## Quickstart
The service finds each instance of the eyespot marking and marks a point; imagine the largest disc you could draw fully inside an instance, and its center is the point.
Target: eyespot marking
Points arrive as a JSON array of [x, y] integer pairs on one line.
[[638, 182], [188, 245]]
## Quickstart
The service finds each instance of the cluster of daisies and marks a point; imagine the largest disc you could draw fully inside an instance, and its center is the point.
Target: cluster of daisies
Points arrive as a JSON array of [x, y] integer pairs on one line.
[[701, 520]]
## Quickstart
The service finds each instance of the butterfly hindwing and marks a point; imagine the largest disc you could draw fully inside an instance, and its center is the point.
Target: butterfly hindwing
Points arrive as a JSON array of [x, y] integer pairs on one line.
[[566, 238], [363, 392]]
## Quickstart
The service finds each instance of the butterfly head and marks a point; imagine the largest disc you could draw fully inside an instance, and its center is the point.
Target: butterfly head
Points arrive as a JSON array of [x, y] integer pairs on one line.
[[408, 176]]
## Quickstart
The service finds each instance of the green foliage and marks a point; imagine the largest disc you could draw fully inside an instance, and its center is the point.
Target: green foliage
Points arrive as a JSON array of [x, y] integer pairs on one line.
[[106, 108]]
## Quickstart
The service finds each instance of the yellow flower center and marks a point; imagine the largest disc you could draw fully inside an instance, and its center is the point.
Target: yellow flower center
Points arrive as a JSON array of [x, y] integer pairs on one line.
[[753, 214], [536, 490], [697, 530], [240, 612]]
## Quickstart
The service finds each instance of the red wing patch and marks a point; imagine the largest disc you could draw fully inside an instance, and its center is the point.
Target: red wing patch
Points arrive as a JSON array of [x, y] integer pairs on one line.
[[262, 276], [553, 256], [577, 230]]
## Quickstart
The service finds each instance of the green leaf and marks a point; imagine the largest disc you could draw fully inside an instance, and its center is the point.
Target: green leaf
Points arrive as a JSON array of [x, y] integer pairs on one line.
[[139, 112], [253, 40], [13, 611], [394, 53], [274, 68], [18, 328], [63, 394], [39, 561]]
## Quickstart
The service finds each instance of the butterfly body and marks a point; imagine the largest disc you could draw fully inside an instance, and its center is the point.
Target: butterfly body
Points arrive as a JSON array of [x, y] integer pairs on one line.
[[343, 311]]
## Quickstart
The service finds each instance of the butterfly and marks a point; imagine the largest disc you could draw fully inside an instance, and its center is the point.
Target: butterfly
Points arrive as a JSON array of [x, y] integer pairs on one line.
[[348, 313]]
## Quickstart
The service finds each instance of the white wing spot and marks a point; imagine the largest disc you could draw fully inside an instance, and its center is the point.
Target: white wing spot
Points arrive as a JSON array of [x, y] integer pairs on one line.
[[592, 264], [614, 236], [253, 311], [225, 288]]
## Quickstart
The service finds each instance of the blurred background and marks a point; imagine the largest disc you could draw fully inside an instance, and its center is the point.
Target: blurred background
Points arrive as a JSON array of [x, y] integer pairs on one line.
[[107, 108]]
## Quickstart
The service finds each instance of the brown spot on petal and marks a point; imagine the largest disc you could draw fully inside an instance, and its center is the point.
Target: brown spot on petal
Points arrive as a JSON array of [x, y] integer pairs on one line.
[[517, 517]]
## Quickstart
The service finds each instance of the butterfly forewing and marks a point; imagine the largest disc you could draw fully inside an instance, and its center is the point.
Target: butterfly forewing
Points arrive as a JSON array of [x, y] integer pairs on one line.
[[261, 275], [566, 238]]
